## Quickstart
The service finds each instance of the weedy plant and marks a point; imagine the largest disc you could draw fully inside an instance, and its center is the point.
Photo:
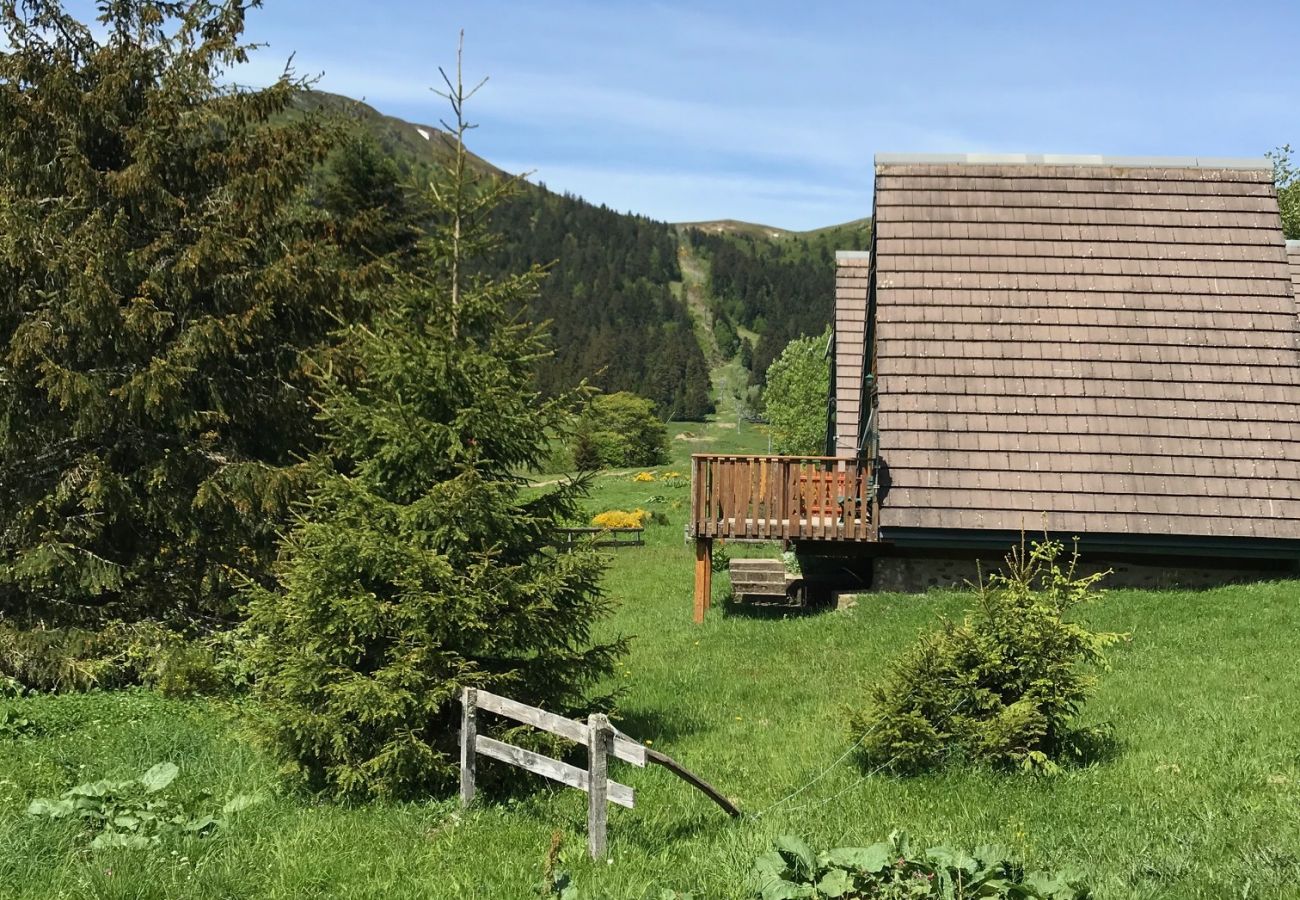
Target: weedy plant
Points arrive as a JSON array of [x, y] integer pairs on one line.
[[1004, 686], [137, 813], [889, 870], [13, 725], [556, 881]]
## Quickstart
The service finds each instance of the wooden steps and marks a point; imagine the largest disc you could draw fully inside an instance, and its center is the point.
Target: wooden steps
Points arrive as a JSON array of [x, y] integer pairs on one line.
[[764, 582]]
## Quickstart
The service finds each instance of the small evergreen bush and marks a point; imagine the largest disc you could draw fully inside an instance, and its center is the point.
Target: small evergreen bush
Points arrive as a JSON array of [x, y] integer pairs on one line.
[[117, 654], [1004, 686]]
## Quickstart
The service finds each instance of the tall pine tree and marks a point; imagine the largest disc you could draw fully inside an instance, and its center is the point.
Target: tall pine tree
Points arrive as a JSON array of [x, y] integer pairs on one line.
[[160, 276], [423, 563]]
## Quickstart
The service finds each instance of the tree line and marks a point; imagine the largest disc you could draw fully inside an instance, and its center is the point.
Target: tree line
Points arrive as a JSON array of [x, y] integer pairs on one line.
[[614, 319]]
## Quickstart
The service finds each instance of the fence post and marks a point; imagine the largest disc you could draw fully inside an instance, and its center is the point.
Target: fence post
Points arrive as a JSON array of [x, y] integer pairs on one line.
[[600, 741], [468, 739]]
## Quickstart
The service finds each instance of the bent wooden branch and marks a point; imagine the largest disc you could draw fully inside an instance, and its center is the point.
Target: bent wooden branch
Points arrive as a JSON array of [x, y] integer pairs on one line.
[[685, 774]]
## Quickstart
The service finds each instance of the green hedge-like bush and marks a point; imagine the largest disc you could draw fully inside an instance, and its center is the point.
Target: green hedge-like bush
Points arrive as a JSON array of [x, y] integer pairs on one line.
[[117, 654], [1004, 686], [618, 430]]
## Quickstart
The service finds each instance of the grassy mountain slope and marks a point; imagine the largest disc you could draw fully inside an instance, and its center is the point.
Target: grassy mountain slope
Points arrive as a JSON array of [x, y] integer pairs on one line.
[[766, 291]]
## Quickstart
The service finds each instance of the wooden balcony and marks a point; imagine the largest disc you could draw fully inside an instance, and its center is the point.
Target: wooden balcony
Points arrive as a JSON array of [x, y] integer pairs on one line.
[[775, 498], [771, 498]]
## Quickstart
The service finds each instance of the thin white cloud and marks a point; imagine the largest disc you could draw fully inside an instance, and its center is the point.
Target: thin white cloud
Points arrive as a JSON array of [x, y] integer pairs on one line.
[[689, 196]]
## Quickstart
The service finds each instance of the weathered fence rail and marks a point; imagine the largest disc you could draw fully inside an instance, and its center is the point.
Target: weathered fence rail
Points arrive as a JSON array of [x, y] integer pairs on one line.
[[597, 734], [602, 741]]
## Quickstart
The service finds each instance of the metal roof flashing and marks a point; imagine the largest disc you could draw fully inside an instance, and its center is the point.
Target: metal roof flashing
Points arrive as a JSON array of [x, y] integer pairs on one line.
[[1065, 159], [852, 254]]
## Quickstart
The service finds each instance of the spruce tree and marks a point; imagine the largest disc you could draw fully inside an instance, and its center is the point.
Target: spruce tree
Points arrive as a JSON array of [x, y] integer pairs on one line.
[[375, 215], [161, 274], [423, 562]]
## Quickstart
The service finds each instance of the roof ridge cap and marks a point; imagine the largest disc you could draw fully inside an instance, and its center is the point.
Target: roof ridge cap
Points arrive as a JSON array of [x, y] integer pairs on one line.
[[1066, 159]]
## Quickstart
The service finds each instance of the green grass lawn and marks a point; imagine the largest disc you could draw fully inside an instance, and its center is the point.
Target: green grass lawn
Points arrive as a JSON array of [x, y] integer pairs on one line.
[[1201, 799]]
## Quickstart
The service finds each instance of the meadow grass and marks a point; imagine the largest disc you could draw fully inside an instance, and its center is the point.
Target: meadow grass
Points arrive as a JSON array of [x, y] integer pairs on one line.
[[1200, 799]]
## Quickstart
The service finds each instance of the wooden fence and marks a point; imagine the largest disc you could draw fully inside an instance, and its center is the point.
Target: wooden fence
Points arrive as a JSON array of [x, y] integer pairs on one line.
[[781, 498], [602, 741]]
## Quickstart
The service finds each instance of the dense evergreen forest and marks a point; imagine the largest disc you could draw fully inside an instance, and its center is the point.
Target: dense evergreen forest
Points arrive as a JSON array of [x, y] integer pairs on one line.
[[781, 288], [614, 319]]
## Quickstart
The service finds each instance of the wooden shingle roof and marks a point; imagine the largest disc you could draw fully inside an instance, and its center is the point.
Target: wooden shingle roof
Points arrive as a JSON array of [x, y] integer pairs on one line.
[[1098, 348], [1293, 257], [851, 282]]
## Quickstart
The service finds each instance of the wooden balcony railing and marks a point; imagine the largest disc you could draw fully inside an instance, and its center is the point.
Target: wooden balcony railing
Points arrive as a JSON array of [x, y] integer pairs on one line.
[[781, 497]]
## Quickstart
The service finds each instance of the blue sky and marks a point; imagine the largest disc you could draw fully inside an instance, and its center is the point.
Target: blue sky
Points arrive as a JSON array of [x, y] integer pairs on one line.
[[771, 112]]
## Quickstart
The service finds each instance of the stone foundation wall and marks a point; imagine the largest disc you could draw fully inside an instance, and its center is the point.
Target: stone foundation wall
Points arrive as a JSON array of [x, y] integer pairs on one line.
[[914, 575]]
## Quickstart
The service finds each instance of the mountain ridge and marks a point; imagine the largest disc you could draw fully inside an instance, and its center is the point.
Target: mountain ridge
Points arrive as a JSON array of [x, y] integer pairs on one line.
[[772, 232], [619, 311]]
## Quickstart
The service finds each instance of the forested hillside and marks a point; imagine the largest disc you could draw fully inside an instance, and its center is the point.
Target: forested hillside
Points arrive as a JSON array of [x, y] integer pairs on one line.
[[614, 320], [781, 288]]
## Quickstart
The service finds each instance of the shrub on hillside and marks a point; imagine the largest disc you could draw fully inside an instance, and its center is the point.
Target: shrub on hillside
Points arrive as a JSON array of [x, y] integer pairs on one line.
[[1004, 686], [619, 430]]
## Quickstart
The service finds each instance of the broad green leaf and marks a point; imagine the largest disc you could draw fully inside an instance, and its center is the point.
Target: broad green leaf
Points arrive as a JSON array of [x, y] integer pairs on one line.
[[875, 858], [55, 809], [780, 889], [159, 777], [952, 859], [835, 883], [126, 821], [91, 789], [113, 839], [770, 865], [800, 856], [198, 823], [241, 802]]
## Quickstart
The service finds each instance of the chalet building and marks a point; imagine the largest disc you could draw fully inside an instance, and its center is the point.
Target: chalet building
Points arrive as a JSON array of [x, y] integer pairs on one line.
[[1101, 348]]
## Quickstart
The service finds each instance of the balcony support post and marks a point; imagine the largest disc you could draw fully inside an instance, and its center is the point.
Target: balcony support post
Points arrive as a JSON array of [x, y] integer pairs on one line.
[[703, 576]]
